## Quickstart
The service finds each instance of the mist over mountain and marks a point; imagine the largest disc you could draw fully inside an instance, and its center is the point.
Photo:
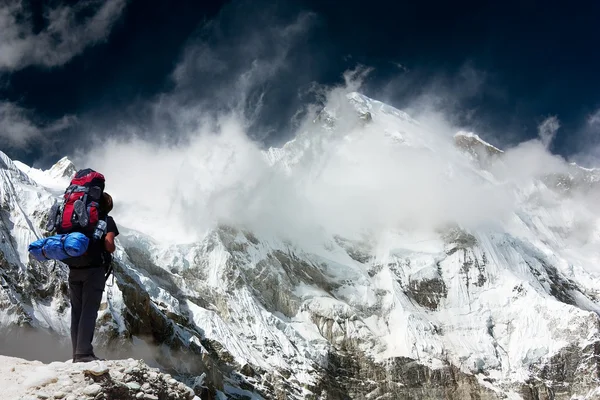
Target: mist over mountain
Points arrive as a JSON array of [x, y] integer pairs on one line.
[[377, 254]]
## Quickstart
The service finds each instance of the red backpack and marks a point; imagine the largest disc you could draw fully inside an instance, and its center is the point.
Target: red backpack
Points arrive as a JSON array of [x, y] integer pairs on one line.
[[79, 211]]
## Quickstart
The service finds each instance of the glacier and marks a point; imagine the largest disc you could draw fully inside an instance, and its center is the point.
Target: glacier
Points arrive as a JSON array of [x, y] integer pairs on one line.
[[441, 267]]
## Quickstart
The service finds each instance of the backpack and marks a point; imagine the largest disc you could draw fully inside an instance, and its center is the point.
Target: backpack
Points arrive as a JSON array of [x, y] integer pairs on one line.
[[79, 211], [75, 221]]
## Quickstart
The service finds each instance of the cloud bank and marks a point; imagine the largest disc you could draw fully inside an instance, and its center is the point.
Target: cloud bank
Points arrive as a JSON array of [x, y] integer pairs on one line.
[[15, 126], [547, 130], [340, 175], [190, 159], [66, 32], [18, 128]]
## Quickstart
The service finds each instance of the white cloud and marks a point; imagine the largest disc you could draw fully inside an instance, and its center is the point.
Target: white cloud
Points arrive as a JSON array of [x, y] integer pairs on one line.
[[244, 71], [349, 180], [63, 37], [547, 130], [177, 191], [236, 70], [587, 140], [218, 74], [527, 161], [594, 119], [17, 129], [60, 124], [15, 126]]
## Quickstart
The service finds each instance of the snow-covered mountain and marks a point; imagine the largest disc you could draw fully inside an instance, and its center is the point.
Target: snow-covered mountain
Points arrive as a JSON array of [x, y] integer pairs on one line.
[[469, 272]]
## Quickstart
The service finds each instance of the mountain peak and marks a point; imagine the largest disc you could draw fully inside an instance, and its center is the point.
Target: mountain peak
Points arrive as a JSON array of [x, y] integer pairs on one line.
[[479, 149], [64, 168], [55, 179], [469, 140]]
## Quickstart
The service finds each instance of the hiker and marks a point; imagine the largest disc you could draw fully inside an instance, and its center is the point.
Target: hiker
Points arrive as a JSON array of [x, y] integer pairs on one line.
[[84, 240], [86, 285]]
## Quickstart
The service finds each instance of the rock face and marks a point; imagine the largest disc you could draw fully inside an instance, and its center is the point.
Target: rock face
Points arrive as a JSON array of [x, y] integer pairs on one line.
[[353, 377], [481, 151], [347, 369], [506, 311]]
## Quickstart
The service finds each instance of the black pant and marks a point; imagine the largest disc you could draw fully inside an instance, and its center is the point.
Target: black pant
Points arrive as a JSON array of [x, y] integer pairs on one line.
[[85, 288]]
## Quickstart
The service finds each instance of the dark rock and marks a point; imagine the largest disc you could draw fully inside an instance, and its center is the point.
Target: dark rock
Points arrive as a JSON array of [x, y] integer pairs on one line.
[[358, 251], [482, 153], [248, 370], [427, 292], [571, 371], [353, 376]]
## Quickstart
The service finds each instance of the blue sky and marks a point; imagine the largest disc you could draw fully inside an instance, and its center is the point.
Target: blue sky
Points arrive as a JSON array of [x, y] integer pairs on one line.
[[74, 70]]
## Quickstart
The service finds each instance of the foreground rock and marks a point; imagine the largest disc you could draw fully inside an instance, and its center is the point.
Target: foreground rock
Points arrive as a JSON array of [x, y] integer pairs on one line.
[[118, 379]]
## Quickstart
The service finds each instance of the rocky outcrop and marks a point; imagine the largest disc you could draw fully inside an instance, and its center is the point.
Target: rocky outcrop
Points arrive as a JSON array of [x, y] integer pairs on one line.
[[42, 283], [170, 333], [354, 376], [570, 372], [427, 292], [358, 251], [480, 151]]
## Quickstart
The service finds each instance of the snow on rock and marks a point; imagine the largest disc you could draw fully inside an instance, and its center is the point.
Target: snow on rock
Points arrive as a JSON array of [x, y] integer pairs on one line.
[[474, 138], [63, 169], [23, 201], [117, 379], [55, 179]]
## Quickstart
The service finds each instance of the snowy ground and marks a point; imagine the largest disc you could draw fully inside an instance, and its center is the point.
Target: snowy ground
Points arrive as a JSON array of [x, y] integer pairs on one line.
[[21, 379]]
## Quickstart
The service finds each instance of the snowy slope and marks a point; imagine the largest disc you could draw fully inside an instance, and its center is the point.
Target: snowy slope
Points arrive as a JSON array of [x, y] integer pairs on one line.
[[54, 179], [437, 253]]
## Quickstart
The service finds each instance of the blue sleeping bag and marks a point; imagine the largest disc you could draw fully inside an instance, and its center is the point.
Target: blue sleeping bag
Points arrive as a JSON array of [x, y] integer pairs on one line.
[[59, 247]]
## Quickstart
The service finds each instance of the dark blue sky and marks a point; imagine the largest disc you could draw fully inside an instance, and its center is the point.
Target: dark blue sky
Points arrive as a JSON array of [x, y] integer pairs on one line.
[[499, 68]]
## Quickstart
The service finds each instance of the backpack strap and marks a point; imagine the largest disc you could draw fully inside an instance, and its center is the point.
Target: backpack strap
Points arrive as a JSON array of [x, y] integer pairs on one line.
[[109, 271]]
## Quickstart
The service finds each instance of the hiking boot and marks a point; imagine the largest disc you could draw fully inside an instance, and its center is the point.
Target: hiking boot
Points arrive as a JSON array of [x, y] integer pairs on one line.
[[87, 358], [81, 212]]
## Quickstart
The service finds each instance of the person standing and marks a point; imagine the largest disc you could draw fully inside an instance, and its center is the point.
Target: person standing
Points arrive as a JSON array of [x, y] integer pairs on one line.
[[86, 285]]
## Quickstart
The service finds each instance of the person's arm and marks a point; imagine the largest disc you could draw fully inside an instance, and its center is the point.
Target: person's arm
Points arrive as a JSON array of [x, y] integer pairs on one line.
[[109, 242]]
